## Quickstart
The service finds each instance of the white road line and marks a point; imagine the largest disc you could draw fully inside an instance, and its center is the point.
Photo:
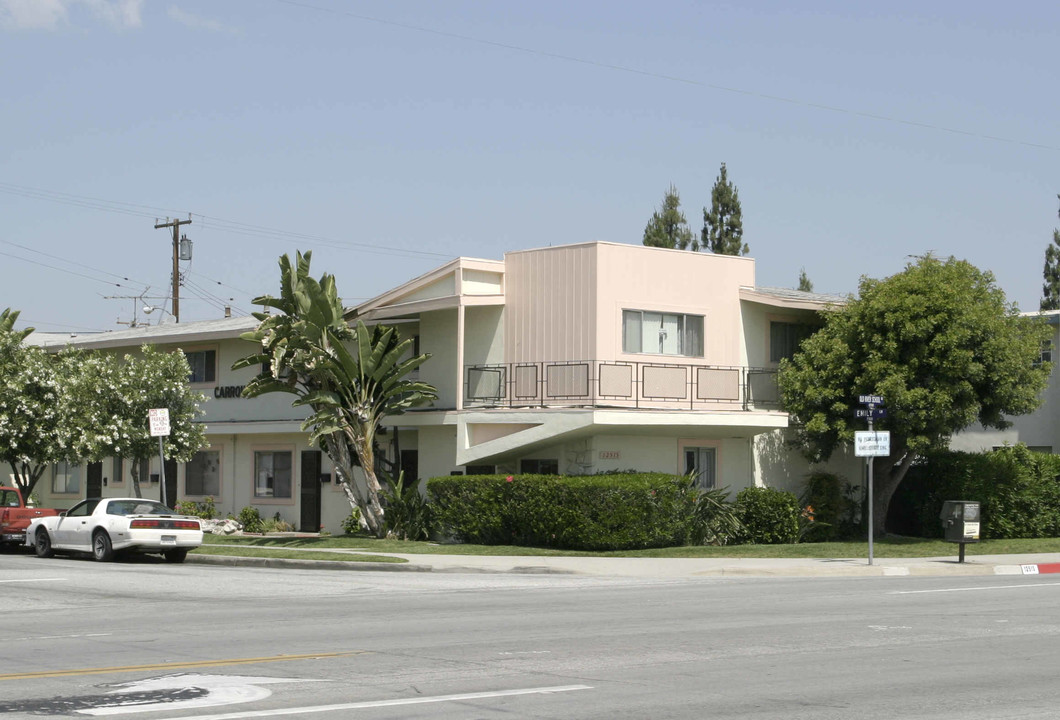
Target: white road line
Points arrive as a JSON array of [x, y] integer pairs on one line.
[[34, 580], [989, 587], [61, 637], [388, 703]]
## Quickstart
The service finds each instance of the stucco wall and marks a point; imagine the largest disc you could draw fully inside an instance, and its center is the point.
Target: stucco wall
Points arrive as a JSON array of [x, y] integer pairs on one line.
[[438, 337], [632, 277]]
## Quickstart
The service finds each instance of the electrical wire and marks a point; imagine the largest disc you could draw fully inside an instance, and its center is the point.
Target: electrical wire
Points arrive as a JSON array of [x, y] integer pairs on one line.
[[78, 263], [69, 272], [670, 78]]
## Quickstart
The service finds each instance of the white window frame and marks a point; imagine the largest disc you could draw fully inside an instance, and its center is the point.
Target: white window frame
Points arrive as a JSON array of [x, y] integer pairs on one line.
[[220, 475], [689, 330], [273, 499], [72, 477], [188, 352]]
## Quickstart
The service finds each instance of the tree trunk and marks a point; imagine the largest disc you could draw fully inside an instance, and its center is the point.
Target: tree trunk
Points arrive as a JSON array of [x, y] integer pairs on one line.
[[26, 477], [373, 508], [339, 452], [135, 470], [885, 482]]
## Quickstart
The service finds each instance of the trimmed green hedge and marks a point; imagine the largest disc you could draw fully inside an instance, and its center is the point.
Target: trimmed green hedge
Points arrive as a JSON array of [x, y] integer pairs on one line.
[[600, 512], [1019, 491], [769, 516]]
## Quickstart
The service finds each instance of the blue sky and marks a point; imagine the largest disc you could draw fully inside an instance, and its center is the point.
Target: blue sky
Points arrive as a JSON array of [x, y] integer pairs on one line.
[[391, 137]]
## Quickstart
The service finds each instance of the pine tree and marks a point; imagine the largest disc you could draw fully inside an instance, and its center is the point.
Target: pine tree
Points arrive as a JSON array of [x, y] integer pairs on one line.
[[1051, 288], [723, 223], [668, 227], [804, 281]]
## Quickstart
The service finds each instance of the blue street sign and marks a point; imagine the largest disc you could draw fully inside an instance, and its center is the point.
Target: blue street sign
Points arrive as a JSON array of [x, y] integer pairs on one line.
[[874, 413], [870, 399]]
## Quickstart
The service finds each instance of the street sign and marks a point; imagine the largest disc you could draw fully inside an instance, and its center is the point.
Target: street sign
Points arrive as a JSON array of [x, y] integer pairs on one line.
[[874, 413], [872, 443], [159, 420], [870, 399]]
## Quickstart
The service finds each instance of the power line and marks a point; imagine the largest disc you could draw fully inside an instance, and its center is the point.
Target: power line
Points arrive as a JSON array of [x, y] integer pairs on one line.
[[56, 257], [220, 224], [670, 78], [70, 272]]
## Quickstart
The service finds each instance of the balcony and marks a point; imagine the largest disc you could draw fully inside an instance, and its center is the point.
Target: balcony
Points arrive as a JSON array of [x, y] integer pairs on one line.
[[609, 384]]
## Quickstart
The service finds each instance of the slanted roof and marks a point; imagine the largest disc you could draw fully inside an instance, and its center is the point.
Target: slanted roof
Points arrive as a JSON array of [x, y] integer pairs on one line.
[[791, 299], [169, 334], [447, 286]]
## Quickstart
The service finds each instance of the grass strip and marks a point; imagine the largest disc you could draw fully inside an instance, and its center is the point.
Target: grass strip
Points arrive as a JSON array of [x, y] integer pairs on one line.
[[892, 547], [292, 554]]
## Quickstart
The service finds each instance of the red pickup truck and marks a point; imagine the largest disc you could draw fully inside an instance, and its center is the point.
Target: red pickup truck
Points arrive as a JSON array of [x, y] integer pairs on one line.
[[15, 517]]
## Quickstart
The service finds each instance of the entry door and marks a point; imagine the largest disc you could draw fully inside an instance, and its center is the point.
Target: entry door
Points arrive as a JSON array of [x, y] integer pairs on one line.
[[94, 481], [171, 483], [310, 494], [701, 463]]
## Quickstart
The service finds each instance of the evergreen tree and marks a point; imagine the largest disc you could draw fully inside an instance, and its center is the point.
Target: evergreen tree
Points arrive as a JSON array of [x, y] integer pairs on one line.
[[723, 223], [668, 227], [804, 282], [1051, 288]]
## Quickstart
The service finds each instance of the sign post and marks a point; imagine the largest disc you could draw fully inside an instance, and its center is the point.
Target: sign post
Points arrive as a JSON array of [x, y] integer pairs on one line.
[[159, 421], [871, 444]]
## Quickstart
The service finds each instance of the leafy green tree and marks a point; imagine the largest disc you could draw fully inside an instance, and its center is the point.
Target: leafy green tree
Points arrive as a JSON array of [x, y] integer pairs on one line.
[[804, 281], [33, 430], [723, 222], [350, 379], [668, 227], [942, 346], [110, 397], [1051, 288]]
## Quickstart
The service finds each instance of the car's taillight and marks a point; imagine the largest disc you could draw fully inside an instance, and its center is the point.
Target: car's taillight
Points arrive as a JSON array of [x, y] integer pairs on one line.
[[165, 524]]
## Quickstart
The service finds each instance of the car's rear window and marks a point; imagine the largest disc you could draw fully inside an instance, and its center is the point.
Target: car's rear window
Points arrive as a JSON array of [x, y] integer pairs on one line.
[[137, 507]]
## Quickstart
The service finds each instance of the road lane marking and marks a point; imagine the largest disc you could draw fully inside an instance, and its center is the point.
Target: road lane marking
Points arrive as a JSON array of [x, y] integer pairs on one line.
[[175, 665], [985, 587], [33, 580], [61, 637], [388, 703]]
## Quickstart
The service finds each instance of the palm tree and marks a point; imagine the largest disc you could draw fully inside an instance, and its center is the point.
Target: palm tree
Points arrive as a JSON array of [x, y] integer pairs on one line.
[[304, 351]]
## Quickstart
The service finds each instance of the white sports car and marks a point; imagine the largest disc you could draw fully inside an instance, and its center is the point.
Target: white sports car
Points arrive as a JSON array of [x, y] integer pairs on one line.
[[106, 526]]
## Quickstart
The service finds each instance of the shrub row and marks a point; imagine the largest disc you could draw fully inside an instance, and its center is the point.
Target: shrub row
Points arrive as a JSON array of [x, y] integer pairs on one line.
[[611, 512], [1019, 491]]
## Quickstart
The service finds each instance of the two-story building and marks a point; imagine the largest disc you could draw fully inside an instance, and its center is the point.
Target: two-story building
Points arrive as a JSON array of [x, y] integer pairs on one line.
[[573, 359]]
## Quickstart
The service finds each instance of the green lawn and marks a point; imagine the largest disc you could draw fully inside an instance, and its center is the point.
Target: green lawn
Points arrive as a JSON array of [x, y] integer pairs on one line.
[[887, 547]]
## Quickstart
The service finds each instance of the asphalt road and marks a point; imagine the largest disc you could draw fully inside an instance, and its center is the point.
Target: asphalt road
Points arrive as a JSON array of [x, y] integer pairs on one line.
[[79, 637]]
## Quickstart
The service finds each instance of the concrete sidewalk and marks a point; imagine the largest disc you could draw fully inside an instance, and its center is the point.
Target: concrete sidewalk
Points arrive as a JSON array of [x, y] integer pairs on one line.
[[670, 567]]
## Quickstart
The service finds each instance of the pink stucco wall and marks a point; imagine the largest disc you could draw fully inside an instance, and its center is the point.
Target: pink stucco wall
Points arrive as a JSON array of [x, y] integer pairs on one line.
[[566, 303]]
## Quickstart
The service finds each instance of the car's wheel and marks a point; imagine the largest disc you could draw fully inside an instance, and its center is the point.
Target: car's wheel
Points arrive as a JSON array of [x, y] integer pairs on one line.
[[102, 549], [176, 556], [43, 544]]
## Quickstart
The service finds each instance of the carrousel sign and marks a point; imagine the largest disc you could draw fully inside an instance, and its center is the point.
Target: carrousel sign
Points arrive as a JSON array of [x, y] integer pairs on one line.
[[224, 392]]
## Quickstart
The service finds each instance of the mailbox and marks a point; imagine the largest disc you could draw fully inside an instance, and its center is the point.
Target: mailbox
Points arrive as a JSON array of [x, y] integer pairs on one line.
[[960, 521]]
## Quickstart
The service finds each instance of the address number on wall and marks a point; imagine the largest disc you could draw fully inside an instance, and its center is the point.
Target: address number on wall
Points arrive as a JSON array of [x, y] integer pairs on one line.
[[609, 454]]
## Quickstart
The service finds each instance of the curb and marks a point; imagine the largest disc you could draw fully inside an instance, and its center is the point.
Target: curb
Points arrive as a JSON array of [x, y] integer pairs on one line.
[[264, 562]]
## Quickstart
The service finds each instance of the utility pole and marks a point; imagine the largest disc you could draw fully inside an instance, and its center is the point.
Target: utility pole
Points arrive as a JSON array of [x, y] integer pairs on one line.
[[175, 224]]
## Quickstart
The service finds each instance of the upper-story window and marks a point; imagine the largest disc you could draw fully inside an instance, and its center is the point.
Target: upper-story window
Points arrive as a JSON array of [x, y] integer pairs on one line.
[[785, 338], [203, 364], [662, 333], [1046, 353]]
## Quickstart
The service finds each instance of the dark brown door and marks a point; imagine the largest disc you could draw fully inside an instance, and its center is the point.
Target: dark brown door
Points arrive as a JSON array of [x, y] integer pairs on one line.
[[171, 483], [94, 481], [310, 495]]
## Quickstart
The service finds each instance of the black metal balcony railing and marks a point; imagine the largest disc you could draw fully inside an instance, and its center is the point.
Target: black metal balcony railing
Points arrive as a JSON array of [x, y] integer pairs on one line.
[[598, 383]]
